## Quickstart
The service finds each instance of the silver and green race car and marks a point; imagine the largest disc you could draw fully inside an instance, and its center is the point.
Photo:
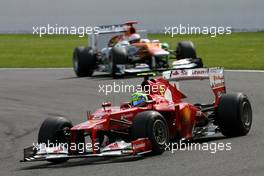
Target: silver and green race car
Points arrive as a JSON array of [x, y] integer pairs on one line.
[[122, 49]]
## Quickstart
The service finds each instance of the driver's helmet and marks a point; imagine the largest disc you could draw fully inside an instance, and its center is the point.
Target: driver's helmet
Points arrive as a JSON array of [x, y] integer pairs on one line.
[[134, 38], [138, 98]]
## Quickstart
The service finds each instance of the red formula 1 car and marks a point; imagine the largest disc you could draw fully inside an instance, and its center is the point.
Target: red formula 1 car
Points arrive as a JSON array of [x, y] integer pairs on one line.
[[135, 130]]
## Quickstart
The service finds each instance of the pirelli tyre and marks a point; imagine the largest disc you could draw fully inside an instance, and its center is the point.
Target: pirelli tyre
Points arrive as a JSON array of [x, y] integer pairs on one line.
[[234, 114], [151, 125], [185, 49], [84, 61], [118, 56], [55, 131]]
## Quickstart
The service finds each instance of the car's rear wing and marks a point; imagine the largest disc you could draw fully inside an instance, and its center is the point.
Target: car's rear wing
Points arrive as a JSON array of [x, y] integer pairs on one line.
[[215, 76], [115, 28], [109, 31], [100, 39]]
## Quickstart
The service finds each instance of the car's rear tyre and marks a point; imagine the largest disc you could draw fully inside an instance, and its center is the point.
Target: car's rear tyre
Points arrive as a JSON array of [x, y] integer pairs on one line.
[[152, 125], [84, 61], [55, 130], [185, 49], [234, 115], [118, 56]]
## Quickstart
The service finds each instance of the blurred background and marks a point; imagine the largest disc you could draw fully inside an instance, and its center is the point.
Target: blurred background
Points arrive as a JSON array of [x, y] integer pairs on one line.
[[21, 15]]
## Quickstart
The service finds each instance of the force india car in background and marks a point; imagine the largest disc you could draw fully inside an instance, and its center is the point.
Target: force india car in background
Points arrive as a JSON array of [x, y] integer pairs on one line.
[[136, 130], [121, 49]]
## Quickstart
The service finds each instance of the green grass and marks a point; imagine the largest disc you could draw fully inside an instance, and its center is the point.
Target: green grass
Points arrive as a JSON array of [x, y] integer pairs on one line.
[[25, 50], [235, 51]]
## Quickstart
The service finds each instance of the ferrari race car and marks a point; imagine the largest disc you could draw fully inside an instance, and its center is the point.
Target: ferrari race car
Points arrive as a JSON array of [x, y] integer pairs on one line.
[[147, 123], [121, 49]]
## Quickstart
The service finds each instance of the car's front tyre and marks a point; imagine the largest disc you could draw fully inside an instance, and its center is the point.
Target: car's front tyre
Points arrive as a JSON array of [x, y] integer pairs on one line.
[[151, 125], [55, 131], [185, 49], [118, 56]]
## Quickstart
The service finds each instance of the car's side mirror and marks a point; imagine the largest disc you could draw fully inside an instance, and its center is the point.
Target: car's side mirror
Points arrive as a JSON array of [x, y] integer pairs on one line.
[[125, 105], [106, 104]]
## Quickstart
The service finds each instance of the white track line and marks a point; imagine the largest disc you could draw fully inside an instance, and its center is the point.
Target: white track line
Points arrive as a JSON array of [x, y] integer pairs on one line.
[[246, 71]]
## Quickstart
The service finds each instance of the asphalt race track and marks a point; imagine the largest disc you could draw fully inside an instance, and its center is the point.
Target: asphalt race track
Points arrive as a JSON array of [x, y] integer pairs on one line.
[[27, 97]]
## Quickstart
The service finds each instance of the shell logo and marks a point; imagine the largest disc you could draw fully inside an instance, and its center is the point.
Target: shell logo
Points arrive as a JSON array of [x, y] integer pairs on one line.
[[186, 114], [162, 90]]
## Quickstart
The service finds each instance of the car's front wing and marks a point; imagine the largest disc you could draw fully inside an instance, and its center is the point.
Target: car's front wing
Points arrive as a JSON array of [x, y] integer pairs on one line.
[[138, 147]]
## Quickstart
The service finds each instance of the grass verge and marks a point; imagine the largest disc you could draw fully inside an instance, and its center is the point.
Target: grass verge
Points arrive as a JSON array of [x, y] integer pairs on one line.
[[235, 51]]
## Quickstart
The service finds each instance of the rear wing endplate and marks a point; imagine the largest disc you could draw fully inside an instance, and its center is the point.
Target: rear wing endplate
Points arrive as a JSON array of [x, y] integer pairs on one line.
[[215, 76]]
